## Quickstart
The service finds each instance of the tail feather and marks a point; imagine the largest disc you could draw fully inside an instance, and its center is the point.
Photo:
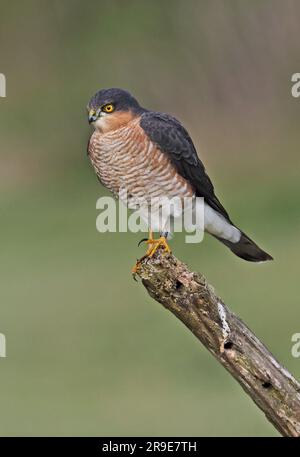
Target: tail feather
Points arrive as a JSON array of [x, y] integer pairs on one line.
[[246, 249]]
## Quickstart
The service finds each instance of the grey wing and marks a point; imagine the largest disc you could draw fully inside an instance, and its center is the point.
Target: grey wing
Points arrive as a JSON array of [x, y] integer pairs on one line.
[[173, 139]]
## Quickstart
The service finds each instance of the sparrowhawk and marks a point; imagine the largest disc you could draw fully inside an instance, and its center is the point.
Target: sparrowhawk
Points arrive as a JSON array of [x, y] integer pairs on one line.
[[150, 154]]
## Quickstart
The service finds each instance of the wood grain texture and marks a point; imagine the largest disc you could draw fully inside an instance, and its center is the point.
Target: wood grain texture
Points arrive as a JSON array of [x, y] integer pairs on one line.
[[192, 300]]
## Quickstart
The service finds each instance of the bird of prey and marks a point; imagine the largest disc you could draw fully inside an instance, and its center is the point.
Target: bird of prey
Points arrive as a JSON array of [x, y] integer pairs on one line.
[[151, 154]]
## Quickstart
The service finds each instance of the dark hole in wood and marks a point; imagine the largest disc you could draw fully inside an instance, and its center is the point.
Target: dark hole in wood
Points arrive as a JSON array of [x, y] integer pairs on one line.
[[178, 284], [266, 385], [228, 345]]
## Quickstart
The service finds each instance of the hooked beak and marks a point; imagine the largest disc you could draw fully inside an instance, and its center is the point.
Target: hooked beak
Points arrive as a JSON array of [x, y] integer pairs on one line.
[[92, 116]]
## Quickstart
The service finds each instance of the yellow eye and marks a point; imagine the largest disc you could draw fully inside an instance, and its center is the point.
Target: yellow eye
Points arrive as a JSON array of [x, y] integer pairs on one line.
[[108, 108]]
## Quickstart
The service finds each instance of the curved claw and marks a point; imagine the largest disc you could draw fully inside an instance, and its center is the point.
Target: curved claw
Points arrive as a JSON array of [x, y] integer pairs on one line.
[[135, 268], [153, 245], [142, 241], [134, 277]]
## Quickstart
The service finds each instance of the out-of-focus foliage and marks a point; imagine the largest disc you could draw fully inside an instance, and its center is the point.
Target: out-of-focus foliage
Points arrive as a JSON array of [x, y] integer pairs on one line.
[[88, 353]]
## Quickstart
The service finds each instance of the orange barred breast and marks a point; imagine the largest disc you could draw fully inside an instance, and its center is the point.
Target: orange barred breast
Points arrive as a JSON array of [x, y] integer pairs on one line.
[[126, 158]]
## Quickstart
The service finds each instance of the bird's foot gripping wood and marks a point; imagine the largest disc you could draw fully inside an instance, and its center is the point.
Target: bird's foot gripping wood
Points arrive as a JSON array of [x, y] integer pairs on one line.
[[153, 246], [161, 242]]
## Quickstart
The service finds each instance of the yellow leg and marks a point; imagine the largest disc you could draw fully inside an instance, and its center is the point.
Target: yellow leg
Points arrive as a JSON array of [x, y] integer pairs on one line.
[[153, 245]]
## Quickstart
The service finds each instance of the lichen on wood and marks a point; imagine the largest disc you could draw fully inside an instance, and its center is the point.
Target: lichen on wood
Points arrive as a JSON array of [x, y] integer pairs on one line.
[[190, 297]]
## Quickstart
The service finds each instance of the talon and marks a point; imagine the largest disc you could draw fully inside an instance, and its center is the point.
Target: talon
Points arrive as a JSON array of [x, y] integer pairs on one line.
[[135, 268], [160, 243], [153, 245], [144, 240], [134, 277]]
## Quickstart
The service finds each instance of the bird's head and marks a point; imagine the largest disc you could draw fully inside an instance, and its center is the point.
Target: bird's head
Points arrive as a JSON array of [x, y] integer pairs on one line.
[[109, 109]]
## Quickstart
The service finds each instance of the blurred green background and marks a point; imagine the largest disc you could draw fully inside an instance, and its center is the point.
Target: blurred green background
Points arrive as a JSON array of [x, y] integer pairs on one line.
[[88, 352]]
